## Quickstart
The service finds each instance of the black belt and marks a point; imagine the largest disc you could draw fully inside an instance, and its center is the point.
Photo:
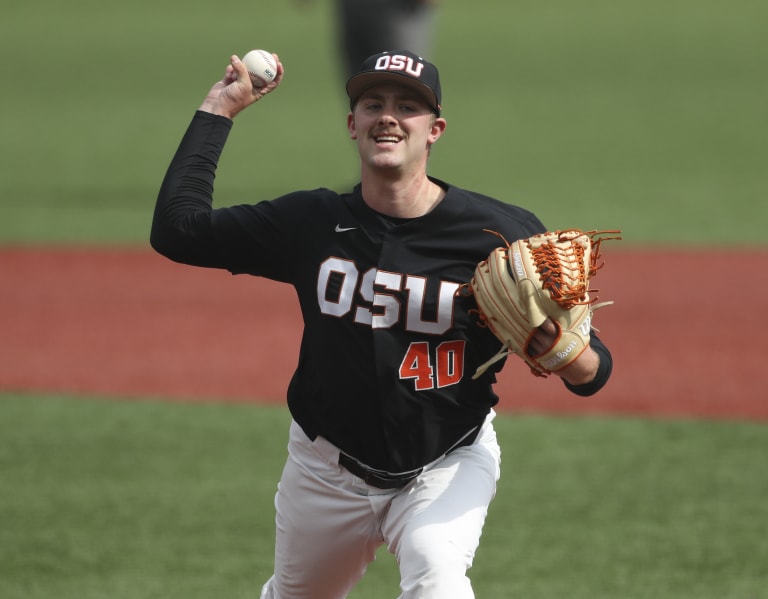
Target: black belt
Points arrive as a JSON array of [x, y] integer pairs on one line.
[[381, 479]]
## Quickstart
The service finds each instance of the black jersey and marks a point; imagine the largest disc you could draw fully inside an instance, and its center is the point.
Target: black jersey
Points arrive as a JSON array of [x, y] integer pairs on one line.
[[390, 343]]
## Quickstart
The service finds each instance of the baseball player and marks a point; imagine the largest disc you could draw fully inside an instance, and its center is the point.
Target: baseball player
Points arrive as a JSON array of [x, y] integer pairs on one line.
[[391, 440]]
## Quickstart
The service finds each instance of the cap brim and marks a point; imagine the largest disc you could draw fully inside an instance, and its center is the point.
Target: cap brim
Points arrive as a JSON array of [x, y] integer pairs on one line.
[[361, 82]]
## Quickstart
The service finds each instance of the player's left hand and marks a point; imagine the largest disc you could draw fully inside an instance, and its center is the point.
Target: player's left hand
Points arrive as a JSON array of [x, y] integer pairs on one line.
[[579, 372], [235, 92]]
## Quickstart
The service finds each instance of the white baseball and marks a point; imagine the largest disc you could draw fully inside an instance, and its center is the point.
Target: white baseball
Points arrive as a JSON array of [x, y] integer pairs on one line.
[[261, 67]]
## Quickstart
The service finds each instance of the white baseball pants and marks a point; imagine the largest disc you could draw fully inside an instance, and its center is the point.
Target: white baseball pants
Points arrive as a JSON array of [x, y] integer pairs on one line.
[[329, 523]]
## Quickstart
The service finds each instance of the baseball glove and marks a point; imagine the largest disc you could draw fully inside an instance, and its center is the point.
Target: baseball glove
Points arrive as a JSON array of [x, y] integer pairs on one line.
[[545, 276]]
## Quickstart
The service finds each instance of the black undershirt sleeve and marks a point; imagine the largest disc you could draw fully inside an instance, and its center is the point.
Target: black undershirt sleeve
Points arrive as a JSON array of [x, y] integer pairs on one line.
[[181, 225], [603, 371]]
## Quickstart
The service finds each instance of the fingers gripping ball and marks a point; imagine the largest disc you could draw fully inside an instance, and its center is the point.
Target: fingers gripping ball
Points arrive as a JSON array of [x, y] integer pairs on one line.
[[545, 276], [261, 67]]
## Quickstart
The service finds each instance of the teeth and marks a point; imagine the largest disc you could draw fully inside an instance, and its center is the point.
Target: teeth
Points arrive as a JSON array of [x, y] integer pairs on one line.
[[388, 138]]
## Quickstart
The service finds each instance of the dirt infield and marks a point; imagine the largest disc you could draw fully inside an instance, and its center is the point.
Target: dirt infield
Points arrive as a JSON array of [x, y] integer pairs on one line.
[[129, 323]]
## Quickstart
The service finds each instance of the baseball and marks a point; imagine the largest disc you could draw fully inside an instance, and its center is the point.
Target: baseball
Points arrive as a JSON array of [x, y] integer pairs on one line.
[[261, 67]]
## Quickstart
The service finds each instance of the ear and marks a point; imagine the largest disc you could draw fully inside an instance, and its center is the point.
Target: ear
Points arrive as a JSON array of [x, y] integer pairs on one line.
[[437, 129], [351, 127]]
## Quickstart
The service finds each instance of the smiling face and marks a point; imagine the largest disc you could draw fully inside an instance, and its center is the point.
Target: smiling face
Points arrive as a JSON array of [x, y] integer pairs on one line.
[[394, 128]]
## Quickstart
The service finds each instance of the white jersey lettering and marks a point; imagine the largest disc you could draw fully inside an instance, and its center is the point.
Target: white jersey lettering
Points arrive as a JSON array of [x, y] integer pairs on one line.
[[342, 303], [380, 295], [389, 302], [414, 318]]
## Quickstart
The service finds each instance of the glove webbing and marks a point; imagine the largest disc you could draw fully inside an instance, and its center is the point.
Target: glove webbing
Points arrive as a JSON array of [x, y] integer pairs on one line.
[[561, 271]]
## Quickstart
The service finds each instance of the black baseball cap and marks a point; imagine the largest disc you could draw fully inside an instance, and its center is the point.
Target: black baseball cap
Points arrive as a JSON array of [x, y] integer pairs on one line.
[[402, 67]]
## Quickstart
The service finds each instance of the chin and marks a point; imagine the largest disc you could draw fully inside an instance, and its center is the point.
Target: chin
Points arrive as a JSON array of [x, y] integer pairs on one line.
[[385, 162]]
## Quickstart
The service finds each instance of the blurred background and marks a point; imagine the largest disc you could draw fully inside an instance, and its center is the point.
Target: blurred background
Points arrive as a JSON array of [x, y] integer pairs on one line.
[[651, 117], [646, 116]]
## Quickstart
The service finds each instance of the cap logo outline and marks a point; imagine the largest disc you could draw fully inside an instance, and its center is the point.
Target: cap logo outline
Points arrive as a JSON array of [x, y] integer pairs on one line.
[[398, 62]]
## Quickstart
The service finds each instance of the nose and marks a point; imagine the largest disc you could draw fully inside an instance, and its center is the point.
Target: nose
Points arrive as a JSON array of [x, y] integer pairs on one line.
[[386, 119], [387, 116]]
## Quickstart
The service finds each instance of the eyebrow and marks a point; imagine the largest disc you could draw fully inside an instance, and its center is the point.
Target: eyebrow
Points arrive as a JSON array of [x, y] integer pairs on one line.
[[403, 94]]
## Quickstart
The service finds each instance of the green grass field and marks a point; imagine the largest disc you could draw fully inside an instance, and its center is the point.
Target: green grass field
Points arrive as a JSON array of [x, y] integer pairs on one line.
[[151, 499], [649, 117]]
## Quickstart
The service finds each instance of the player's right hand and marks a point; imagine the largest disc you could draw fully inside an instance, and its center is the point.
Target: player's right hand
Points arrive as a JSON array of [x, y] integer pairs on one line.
[[235, 91]]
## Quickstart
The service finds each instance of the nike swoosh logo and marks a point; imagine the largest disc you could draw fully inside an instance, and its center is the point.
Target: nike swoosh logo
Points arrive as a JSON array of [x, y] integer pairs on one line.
[[340, 229]]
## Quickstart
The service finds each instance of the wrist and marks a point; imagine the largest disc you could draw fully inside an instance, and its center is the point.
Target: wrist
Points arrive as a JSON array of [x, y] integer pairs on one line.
[[215, 108], [583, 370]]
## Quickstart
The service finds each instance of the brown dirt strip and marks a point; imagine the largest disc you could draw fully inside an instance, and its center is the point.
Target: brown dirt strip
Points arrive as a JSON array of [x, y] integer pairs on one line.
[[686, 332]]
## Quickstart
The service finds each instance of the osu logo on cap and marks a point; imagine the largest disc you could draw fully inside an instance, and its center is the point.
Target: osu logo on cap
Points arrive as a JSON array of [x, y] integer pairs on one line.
[[398, 62]]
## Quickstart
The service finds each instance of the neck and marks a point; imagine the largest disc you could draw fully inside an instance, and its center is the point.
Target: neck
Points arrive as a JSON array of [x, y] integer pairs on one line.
[[402, 198]]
